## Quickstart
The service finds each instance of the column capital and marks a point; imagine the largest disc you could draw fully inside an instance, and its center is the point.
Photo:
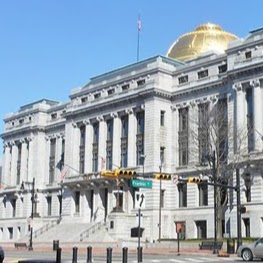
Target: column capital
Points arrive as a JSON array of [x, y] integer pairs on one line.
[[86, 122], [237, 87], [74, 124], [23, 140], [129, 111], [114, 115], [100, 118], [254, 83], [173, 107], [193, 103]]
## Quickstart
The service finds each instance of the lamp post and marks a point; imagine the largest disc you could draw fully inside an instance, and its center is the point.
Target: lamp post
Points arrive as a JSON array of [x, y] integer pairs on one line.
[[213, 159], [160, 202], [30, 247], [239, 236]]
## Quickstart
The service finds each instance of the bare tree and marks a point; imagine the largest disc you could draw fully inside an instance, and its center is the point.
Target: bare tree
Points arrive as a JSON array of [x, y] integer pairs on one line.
[[211, 130]]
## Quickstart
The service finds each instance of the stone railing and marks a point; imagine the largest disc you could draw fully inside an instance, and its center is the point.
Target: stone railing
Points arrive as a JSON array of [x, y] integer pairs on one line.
[[46, 227], [87, 233]]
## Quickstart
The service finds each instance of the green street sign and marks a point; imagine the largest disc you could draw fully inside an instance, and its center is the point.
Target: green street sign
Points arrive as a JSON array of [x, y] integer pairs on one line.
[[141, 183]]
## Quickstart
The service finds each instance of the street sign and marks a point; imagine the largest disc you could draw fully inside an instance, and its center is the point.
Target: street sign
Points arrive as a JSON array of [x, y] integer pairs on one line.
[[139, 200], [141, 183]]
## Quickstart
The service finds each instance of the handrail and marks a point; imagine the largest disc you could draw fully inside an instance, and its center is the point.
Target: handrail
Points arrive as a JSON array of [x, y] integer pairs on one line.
[[92, 229], [46, 227]]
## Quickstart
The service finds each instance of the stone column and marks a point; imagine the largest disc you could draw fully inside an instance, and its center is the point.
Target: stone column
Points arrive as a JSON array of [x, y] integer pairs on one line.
[[132, 138], [24, 158], [257, 116], [30, 159], [88, 147], [14, 163], [240, 119], [6, 165], [116, 151], [58, 157], [193, 155], [102, 141]]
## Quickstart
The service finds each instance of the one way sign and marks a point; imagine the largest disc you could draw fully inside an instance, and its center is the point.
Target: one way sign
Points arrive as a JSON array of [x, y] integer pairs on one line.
[[139, 200]]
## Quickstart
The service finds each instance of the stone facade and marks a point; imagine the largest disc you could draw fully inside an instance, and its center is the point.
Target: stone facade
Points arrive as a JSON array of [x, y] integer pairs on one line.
[[132, 118]]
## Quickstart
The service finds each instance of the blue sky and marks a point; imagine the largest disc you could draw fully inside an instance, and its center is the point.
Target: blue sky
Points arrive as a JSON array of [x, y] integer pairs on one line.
[[49, 47]]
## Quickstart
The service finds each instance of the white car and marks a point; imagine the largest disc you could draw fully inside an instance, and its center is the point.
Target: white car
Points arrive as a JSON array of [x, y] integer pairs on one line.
[[250, 251]]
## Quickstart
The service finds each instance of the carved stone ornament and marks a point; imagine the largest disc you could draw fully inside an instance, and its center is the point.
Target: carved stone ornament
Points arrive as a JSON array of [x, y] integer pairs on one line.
[[129, 111], [237, 86], [100, 118], [255, 83], [86, 122], [114, 115]]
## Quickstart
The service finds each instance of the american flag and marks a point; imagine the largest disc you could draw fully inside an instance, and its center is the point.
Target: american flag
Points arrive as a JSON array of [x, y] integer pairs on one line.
[[139, 24], [63, 173], [103, 163]]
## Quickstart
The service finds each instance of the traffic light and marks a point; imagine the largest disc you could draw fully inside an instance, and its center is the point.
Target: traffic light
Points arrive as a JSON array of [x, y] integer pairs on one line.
[[162, 176], [194, 180], [109, 174], [125, 173]]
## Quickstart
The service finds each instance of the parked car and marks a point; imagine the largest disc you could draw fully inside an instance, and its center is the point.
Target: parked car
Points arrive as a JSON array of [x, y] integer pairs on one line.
[[250, 251]]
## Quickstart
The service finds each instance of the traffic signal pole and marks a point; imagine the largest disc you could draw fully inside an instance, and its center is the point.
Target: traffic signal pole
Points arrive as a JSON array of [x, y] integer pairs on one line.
[[239, 237]]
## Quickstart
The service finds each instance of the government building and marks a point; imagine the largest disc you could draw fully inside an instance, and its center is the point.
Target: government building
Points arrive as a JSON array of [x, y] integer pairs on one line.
[[195, 113]]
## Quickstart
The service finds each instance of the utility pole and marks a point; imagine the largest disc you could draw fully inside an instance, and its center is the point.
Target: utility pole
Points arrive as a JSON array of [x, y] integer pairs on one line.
[[239, 237], [215, 251], [160, 206]]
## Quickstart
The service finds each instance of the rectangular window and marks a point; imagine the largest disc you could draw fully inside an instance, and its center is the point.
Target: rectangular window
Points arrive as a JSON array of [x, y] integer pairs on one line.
[[183, 136], [97, 96], [49, 205], [124, 141], [183, 79], [222, 116], [203, 194], [248, 54], [109, 144], [54, 116], [162, 198], [247, 226], [18, 166], [84, 99], [202, 74], [162, 156], [140, 82], [95, 149], [201, 229], [111, 92], [77, 201], [140, 138], [162, 118], [250, 121], [13, 204], [125, 87], [182, 192], [52, 160], [222, 68], [203, 131], [82, 130]]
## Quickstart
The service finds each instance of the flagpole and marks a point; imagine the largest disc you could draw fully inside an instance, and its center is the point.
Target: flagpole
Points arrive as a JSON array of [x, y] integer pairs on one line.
[[138, 37]]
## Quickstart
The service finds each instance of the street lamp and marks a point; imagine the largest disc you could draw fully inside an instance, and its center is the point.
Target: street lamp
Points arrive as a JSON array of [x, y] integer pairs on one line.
[[212, 161], [30, 247]]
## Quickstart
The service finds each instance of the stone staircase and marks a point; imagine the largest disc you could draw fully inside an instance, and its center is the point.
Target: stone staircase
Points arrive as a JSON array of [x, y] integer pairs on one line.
[[64, 231]]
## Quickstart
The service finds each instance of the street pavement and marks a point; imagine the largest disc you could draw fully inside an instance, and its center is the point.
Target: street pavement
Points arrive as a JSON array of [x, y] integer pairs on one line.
[[99, 256]]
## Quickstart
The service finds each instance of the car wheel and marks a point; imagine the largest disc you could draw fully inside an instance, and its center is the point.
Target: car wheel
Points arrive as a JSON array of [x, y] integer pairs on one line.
[[247, 255]]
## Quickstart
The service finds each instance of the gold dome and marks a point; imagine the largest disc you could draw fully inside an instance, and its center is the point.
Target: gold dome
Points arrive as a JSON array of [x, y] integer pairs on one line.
[[206, 37]]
